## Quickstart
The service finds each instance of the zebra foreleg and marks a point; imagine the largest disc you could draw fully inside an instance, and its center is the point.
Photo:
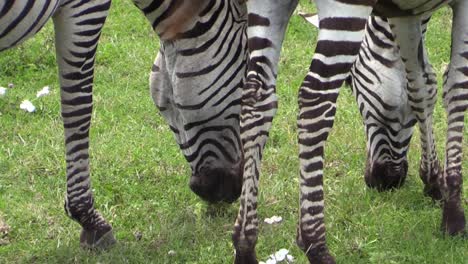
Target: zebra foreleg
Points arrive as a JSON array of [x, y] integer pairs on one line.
[[267, 25], [77, 28], [422, 95], [341, 33], [456, 104]]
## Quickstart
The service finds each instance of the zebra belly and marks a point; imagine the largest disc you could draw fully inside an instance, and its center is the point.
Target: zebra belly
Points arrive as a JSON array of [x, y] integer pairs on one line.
[[20, 20], [401, 8]]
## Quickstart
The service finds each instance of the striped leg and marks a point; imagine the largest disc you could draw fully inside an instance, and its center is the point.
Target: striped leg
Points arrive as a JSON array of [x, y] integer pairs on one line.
[[78, 27], [267, 26], [342, 24], [422, 95], [456, 104]]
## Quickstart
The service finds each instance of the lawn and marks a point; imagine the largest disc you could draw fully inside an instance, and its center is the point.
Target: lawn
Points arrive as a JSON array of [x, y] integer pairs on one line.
[[140, 178]]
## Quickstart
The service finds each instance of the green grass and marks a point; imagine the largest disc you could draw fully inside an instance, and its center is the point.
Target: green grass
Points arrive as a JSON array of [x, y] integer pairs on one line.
[[140, 178]]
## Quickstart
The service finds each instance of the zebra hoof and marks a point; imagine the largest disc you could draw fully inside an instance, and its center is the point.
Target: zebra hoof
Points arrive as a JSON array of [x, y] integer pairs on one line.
[[433, 192], [453, 219], [97, 239], [319, 255], [429, 178], [245, 258], [322, 259]]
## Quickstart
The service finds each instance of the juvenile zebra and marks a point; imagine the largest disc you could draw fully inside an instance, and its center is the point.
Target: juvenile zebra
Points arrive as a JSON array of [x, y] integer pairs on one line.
[[195, 82], [342, 24]]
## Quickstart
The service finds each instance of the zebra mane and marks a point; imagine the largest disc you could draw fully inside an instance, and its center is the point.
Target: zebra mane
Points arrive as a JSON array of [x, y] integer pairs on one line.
[[182, 17]]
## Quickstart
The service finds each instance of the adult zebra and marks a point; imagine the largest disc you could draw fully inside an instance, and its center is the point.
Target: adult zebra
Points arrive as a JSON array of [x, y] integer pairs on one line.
[[342, 24], [195, 82]]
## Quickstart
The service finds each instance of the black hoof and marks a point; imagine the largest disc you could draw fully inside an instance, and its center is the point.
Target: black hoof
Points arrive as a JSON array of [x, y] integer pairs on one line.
[[431, 188], [321, 259], [245, 258], [97, 239], [317, 255], [453, 219], [433, 192]]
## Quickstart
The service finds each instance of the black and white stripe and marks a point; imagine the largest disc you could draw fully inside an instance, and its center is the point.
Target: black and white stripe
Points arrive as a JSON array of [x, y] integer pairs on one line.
[[196, 82], [78, 26], [398, 46]]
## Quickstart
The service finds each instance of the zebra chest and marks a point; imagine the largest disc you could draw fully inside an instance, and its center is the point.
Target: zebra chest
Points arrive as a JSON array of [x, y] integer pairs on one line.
[[20, 20], [399, 8]]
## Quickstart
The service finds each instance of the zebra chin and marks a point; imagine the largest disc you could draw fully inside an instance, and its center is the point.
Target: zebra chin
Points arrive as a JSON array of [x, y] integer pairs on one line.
[[385, 176], [218, 184]]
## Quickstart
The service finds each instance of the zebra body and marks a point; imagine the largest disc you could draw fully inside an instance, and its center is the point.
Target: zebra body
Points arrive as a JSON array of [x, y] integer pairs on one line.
[[20, 20], [342, 30], [196, 82]]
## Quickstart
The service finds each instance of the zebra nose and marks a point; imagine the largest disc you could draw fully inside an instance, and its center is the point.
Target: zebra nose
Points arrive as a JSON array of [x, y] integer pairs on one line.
[[387, 175], [217, 184]]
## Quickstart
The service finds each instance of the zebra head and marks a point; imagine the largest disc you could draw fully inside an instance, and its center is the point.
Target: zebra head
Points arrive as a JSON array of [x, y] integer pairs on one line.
[[196, 83], [379, 83]]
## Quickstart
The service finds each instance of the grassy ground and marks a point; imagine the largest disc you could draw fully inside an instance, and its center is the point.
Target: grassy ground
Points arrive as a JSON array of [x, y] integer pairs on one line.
[[140, 179]]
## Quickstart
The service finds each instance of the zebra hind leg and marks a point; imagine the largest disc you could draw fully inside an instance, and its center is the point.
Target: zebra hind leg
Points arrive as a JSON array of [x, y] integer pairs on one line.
[[422, 94], [456, 105], [77, 31]]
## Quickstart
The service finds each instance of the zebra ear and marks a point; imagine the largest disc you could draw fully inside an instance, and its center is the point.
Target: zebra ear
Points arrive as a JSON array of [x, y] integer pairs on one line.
[[311, 18]]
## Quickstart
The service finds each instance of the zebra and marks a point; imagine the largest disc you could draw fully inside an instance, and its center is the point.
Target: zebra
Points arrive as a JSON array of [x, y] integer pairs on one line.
[[378, 82], [195, 81], [342, 29]]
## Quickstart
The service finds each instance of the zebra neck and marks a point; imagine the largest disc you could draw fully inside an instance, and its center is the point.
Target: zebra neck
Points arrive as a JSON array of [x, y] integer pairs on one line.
[[171, 18]]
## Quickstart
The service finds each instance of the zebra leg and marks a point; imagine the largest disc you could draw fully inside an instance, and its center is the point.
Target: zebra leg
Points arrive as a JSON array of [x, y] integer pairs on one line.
[[341, 32], [422, 95], [78, 27], [456, 104], [267, 25]]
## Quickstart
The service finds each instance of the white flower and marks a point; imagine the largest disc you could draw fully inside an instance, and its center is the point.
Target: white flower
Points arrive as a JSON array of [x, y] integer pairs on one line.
[[171, 253], [3, 91], [26, 105], [43, 92], [273, 220], [281, 254]]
